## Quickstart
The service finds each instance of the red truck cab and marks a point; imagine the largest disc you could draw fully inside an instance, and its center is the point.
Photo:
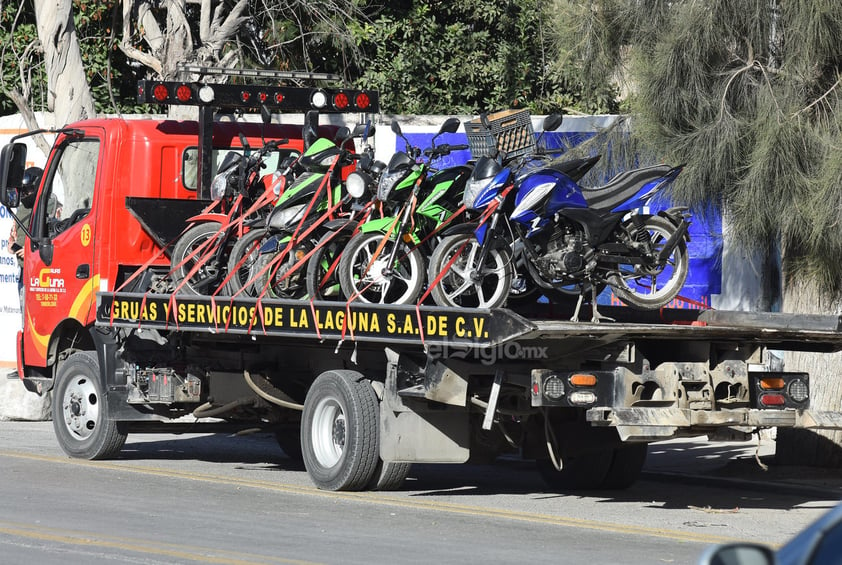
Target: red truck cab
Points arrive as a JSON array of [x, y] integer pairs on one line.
[[95, 241]]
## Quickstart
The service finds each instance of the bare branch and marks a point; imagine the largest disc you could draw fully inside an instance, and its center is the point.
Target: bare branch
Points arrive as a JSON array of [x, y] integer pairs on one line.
[[147, 25], [29, 119], [820, 98]]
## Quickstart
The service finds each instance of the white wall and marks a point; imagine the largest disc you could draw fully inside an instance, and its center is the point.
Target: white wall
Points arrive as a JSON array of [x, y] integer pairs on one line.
[[10, 319]]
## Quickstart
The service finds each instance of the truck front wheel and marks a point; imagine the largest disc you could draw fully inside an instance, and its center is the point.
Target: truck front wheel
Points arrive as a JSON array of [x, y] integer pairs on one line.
[[339, 430], [80, 415]]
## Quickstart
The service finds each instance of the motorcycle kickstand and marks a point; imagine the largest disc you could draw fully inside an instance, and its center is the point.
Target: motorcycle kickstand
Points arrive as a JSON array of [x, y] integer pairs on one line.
[[581, 299], [597, 317]]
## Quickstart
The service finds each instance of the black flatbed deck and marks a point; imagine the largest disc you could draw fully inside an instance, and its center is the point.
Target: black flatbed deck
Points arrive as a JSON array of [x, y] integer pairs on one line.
[[474, 328]]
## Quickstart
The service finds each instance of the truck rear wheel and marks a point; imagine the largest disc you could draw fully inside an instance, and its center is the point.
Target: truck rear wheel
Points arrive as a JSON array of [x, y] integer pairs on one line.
[[612, 468], [339, 431], [80, 411], [289, 440], [626, 466], [389, 476], [584, 471]]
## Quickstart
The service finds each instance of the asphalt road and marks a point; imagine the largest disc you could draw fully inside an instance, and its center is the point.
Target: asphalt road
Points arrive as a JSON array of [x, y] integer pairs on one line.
[[232, 500]]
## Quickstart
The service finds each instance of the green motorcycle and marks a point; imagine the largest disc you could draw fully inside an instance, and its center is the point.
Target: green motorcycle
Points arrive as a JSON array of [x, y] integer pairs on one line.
[[293, 226], [385, 262]]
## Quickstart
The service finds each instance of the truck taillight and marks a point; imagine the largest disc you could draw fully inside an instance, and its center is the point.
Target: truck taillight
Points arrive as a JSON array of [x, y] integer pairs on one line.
[[318, 99], [363, 101], [583, 380], [780, 390], [551, 388], [772, 399]]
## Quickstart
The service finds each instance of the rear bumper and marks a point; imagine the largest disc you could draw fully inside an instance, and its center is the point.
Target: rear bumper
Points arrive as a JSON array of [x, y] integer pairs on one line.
[[652, 424]]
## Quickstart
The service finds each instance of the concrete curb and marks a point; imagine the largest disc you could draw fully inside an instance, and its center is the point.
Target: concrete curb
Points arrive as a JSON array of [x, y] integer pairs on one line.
[[16, 403]]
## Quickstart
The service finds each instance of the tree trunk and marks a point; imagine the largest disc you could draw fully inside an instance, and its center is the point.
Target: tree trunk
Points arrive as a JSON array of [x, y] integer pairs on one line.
[[807, 447], [69, 94]]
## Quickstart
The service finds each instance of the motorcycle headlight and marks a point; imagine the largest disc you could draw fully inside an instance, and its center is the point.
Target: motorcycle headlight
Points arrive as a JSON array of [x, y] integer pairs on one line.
[[388, 181], [473, 188], [356, 184], [219, 185], [289, 216]]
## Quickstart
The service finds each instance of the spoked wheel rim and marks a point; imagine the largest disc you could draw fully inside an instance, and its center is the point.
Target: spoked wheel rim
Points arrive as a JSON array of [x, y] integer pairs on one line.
[[208, 274], [81, 408], [244, 262], [323, 271], [328, 432], [375, 282]]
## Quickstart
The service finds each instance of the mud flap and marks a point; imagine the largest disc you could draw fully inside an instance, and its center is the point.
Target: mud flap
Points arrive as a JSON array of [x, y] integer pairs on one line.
[[416, 430]]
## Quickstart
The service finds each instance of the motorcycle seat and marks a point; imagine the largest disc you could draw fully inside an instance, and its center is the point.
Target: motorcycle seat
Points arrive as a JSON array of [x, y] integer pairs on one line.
[[622, 187]]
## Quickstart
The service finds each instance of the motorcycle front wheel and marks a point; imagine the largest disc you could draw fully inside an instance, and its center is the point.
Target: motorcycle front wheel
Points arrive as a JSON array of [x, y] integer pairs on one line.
[[364, 274], [279, 281], [195, 265], [467, 284], [653, 286]]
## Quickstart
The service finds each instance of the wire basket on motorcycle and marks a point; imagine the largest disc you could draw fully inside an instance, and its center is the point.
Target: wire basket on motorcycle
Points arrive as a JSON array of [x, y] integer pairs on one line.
[[509, 131]]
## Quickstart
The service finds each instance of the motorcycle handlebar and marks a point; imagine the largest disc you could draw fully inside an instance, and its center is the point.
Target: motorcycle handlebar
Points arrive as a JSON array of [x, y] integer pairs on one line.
[[444, 149]]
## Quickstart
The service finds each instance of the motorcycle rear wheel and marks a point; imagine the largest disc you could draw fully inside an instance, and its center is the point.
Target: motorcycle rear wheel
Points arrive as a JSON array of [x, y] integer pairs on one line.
[[277, 281], [653, 287], [459, 287], [320, 284], [244, 259]]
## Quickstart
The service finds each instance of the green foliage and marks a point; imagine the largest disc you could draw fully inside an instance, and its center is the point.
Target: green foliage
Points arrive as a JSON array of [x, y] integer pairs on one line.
[[432, 56], [93, 20], [19, 49]]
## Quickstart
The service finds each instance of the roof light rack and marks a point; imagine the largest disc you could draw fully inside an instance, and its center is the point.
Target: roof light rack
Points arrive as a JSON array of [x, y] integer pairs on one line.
[[243, 97]]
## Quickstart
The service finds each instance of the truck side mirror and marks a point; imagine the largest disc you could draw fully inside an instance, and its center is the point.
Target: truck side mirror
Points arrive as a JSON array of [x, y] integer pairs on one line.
[[12, 166]]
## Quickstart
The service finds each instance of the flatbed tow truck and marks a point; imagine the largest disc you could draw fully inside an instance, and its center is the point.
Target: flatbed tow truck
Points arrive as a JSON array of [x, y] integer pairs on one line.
[[358, 391]]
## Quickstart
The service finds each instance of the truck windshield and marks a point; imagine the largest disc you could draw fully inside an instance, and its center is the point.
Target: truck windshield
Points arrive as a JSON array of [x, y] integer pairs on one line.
[[190, 162]]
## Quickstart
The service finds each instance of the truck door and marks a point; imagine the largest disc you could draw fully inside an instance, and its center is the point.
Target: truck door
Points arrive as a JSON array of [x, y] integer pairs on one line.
[[62, 284]]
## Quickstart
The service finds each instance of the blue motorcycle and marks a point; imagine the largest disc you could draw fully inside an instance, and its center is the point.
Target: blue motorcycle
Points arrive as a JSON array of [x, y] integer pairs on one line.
[[570, 239]]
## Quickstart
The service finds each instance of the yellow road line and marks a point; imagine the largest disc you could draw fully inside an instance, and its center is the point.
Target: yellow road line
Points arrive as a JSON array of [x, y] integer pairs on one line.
[[381, 499], [181, 552]]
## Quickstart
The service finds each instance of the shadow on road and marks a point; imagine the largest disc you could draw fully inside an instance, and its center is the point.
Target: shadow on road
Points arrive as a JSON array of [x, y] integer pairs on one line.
[[253, 449], [718, 477]]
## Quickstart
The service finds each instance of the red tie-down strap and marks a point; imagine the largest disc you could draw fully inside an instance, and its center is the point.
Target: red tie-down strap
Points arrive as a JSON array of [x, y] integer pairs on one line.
[[275, 263], [235, 219], [484, 218], [266, 198], [365, 213], [152, 260], [374, 257]]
